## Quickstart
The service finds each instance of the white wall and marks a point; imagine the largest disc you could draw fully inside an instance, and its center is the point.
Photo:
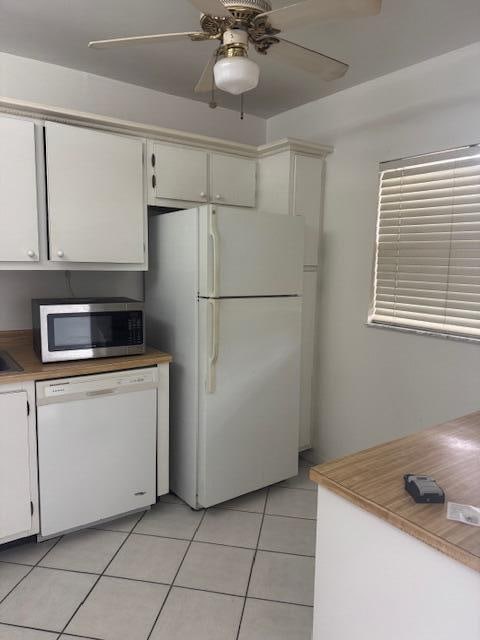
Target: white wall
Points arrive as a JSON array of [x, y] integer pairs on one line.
[[17, 288], [377, 384], [52, 85]]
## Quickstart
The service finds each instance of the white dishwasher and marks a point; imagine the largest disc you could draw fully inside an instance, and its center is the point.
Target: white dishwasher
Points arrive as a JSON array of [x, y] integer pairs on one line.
[[96, 447]]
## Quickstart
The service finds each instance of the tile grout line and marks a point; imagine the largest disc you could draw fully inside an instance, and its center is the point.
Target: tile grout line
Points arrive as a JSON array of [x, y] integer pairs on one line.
[[176, 574], [215, 544], [234, 595], [284, 486], [2, 600], [190, 542], [154, 535], [253, 564], [22, 626], [101, 574]]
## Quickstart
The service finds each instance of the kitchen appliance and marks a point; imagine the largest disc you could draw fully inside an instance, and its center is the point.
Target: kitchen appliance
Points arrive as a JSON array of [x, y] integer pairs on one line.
[[96, 447], [223, 295], [80, 328]]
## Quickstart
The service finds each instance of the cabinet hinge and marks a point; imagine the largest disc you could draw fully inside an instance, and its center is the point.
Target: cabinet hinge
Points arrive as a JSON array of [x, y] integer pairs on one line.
[[28, 408], [31, 508]]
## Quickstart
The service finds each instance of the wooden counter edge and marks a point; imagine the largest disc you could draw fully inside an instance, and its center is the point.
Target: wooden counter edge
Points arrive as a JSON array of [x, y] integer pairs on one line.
[[448, 548], [151, 358]]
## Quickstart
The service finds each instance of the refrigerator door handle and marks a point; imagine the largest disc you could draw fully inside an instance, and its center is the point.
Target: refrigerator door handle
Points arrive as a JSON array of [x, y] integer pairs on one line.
[[214, 344], [213, 233]]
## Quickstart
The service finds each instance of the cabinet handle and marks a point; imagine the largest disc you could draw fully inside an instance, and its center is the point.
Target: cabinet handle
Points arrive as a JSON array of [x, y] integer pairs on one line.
[[203, 194], [218, 196], [60, 254], [153, 159], [154, 181], [31, 254]]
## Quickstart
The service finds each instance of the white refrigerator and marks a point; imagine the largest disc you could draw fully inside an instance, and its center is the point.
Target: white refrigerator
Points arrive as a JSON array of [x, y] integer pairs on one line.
[[223, 296]]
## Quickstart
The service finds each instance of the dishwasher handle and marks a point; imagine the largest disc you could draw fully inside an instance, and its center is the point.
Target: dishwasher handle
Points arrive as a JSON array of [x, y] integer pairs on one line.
[[100, 392]]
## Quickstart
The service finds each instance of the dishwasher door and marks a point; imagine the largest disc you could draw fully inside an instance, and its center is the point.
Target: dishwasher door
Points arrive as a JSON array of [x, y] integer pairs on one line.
[[96, 447]]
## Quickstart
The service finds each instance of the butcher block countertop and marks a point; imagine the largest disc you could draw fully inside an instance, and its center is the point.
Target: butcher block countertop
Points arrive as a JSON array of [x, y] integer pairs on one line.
[[373, 480], [18, 344]]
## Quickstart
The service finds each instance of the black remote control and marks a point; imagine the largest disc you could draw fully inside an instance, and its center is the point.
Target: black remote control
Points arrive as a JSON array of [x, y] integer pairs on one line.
[[423, 489]]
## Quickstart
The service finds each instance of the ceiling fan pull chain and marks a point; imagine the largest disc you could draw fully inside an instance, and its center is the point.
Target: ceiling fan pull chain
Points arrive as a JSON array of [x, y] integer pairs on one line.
[[213, 103], [242, 112]]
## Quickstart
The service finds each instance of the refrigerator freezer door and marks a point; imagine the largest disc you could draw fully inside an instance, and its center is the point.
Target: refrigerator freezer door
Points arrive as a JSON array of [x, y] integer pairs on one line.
[[246, 253], [249, 395]]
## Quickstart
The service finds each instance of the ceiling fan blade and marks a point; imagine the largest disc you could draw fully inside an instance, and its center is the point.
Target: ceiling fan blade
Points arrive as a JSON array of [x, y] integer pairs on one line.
[[206, 82], [308, 60], [211, 7], [303, 13], [158, 37]]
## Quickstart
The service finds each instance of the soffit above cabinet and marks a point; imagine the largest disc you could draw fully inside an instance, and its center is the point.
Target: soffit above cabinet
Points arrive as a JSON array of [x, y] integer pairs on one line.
[[26, 109]]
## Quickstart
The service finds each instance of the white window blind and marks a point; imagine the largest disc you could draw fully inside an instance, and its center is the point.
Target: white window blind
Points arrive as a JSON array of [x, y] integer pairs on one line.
[[427, 269]]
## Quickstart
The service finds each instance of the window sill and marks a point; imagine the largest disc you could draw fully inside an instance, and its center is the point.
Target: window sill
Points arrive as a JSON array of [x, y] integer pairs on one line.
[[423, 332]]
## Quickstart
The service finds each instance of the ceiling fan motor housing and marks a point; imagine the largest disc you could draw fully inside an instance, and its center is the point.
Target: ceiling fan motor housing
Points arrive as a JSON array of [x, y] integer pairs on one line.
[[256, 6]]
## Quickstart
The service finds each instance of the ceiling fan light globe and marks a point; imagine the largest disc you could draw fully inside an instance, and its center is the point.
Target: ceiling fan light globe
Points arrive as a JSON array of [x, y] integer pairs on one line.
[[236, 75]]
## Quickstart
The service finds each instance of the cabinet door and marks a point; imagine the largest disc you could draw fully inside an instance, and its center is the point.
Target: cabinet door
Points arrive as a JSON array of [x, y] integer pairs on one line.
[[307, 201], [95, 196], [180, 173], [18, 191], [275, 183], [15, 510], [308, 350], [233, 180]]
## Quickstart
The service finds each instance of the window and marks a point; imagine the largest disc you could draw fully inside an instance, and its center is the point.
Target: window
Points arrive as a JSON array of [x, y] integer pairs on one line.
[[427, 265]]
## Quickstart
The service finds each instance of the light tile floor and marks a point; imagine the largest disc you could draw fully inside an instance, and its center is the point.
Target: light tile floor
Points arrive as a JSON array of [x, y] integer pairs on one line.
[[240, 571]]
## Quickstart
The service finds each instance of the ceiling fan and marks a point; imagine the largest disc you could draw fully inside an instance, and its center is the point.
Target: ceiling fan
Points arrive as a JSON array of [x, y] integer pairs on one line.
[[237, 24]]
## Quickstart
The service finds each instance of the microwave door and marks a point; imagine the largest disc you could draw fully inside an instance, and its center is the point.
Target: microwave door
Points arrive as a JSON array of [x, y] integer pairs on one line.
[[91, 334]]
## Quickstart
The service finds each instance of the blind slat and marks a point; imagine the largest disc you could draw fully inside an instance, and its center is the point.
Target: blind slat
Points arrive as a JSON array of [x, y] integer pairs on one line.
[[458, 164], [443, 183], [432, 201], [451, 193], [427, 273], [414, 212]]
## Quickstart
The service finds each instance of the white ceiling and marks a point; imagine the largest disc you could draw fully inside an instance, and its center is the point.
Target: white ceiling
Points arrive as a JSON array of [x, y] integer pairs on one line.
[[57, 31]]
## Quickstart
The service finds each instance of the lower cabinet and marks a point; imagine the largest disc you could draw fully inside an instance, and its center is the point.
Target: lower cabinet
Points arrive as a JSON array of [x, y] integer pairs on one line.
[[102, 452], [18, 463]]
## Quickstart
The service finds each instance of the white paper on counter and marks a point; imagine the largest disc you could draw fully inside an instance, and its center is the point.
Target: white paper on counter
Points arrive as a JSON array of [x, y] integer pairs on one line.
[[463, 513]]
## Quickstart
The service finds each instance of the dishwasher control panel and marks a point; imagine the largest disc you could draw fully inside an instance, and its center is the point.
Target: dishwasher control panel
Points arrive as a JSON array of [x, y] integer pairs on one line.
[[96, 385]]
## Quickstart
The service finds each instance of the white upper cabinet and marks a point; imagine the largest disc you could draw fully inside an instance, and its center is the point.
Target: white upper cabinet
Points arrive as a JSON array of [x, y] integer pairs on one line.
[[181, 176], [17, 455], [274, 183], [307, 201], [18, 191], [291, 183], [178, 173], [233, 180], [96, 200]]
